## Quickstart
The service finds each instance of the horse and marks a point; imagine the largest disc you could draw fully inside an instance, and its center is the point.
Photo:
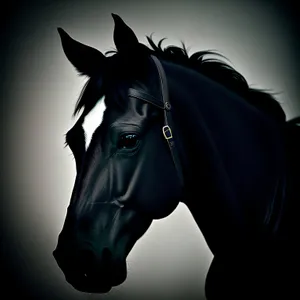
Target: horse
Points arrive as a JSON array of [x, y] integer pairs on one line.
[[179, 128]]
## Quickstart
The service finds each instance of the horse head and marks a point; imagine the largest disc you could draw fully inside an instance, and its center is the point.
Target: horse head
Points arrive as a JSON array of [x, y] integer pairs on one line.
[[126, 176]]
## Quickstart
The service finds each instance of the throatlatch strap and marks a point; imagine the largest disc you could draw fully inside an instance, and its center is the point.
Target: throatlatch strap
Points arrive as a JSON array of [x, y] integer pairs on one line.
[[167, 131]]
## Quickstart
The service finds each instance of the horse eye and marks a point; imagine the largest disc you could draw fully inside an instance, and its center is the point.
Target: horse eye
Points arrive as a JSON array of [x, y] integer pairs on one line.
[[127, 141]]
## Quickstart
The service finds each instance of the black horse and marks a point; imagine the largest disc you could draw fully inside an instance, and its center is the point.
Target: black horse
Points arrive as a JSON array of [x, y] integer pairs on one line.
[[180, 128]]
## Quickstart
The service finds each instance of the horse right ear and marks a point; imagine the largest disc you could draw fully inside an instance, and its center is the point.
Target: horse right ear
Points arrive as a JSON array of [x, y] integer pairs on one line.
[[87, 60]]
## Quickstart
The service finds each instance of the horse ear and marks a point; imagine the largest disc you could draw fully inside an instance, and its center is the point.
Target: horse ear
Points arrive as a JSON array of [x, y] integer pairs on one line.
[[124, 37], [87, 60]]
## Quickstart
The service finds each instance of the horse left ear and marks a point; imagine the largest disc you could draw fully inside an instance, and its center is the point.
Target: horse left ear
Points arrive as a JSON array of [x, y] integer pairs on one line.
[[87, 60], [124, 37]]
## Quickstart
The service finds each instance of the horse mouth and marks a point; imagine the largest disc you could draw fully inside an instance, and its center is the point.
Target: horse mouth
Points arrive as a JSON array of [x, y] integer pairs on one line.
[[92, 289], [94, 286]]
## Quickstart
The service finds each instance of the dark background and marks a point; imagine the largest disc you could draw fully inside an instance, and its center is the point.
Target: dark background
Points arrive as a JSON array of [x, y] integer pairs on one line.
[[27, 234]]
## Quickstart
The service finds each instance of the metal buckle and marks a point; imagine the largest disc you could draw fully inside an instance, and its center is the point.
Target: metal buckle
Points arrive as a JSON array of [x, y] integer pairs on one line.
[[167, 132], [167, 106]]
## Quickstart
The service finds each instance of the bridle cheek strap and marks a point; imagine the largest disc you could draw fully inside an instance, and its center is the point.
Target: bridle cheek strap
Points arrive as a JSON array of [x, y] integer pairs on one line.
[[166, 106]]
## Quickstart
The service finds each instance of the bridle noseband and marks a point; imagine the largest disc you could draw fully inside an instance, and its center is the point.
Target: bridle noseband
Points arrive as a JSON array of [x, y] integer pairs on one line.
[[166, 106]]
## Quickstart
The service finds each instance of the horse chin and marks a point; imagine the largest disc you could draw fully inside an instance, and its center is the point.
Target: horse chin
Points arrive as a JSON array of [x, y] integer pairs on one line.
[[119, 279]]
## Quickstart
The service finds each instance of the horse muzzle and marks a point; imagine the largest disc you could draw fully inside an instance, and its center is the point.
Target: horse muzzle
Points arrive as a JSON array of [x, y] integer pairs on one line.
[[89, 271]]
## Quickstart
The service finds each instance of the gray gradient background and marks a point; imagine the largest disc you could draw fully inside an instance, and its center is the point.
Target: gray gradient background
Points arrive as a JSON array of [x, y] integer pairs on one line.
[[39, 88]]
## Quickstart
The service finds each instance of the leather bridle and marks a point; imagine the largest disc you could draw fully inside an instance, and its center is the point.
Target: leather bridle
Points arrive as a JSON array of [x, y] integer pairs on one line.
[[166, 106]]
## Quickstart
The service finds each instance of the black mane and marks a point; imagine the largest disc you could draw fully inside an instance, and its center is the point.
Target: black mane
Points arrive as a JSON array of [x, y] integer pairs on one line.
[[215, 69]]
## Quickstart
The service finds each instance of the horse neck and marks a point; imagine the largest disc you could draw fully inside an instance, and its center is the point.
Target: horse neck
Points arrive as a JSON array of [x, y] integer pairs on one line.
[[232, 158]]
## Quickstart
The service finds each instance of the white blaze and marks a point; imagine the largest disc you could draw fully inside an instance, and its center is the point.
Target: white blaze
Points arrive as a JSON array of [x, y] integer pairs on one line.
[[93, 120]]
